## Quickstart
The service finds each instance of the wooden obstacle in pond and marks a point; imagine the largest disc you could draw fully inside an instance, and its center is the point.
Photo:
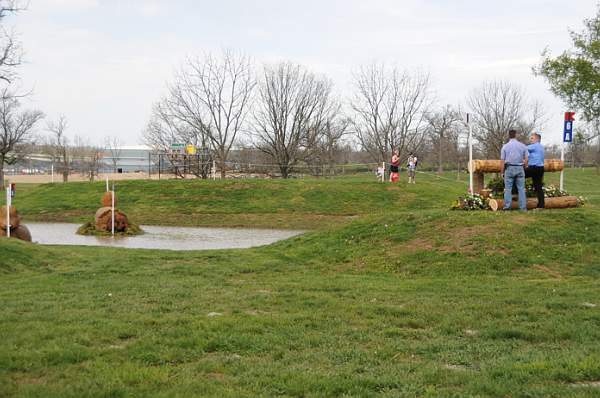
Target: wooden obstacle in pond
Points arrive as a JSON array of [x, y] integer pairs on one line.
[[482, 167], [17, 229], [103, 218]]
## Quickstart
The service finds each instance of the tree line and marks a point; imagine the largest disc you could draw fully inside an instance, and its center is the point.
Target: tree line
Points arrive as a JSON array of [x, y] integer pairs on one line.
[[295, 118]]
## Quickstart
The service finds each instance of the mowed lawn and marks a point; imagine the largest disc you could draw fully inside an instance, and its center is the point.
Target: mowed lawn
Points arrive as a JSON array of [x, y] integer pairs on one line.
[[391, 294]]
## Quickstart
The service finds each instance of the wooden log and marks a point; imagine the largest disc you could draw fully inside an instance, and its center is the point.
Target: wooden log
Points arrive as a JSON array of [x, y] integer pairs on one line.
[[15, 219], [486, 166], [107, 199], [561, 202], [478, 182], [103, 220], [495, 166], [552, 165]]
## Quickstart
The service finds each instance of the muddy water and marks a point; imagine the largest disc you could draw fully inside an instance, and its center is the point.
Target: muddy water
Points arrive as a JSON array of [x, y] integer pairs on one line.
[[166, 238]]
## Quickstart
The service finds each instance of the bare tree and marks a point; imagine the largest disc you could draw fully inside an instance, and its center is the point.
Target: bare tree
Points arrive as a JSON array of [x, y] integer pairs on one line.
[[88, 158], [499, 106], [327, 142], [291, 109], [595, 128], [390, 107], [114, 144], [224, 87], [578, 148], [171, 123], [16, 129], [10, 48], [442, 126], [583, 150], [58, 147], [208, 101]]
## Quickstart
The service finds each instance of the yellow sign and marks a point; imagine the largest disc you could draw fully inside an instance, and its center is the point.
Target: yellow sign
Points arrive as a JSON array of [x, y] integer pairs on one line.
[[190, 149]]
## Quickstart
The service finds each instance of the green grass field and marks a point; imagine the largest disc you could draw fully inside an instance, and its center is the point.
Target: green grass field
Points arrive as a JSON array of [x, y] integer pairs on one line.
[[390, 295]]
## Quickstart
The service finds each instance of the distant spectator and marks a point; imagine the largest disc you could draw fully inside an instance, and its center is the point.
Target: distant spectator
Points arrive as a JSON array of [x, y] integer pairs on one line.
[[411, 165], [394, 165]]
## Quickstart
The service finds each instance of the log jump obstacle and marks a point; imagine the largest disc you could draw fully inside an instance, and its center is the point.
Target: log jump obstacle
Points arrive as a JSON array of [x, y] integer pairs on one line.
[[481, 167]]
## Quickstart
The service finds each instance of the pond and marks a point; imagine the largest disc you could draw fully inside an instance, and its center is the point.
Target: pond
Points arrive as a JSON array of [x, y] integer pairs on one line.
[[158, 237]]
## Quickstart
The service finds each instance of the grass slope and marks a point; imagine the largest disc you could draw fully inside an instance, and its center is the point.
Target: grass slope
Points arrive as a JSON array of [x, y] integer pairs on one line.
[[414, 301], [310, 203]]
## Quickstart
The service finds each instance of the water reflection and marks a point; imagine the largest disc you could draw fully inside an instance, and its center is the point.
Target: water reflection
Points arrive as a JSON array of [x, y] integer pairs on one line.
[[166, 238]]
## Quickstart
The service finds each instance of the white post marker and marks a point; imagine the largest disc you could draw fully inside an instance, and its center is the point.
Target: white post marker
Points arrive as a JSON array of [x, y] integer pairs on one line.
[[470, 156], [382, 171], [52, 172], [113, 209], [562, 158], [214, 170], [8, 203], [107, 184]]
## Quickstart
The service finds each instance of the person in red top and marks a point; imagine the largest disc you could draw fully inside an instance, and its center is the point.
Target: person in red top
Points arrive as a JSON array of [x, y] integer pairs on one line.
[[394, 167]]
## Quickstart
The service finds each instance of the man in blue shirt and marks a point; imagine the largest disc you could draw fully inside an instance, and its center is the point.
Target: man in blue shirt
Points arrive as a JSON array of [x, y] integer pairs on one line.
[[514, 157], [535, 168]]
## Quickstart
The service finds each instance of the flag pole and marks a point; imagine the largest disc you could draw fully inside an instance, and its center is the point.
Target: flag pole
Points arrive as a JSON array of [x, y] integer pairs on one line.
[[113, 209], [470, 156], [8, 203]]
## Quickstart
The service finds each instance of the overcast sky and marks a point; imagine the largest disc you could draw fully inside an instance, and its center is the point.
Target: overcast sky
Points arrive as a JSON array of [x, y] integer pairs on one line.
[[103, 63]]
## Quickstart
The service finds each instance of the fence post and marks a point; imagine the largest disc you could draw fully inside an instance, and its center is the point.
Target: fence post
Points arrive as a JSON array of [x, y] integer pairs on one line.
[[8, 203], [113, 209]]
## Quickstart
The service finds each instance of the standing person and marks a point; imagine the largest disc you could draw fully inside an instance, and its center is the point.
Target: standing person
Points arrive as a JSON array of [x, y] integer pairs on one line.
[[395, 163], [514, 158], [411, 165], [535, 167]]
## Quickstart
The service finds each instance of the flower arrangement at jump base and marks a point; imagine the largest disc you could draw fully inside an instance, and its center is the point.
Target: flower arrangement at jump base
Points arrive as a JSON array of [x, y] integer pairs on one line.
[[471, 202]]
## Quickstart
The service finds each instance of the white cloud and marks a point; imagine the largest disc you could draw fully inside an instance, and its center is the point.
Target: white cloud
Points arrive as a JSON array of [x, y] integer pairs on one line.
[[150, 9], [54, 5], [103, 63]]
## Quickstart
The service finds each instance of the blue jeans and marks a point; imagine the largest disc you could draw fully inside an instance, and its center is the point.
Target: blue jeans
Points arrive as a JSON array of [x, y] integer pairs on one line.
[[514, 174]]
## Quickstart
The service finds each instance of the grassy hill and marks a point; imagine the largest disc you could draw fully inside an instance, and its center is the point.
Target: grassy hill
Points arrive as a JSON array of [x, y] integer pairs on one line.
[[305, 203], [391, 295]]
